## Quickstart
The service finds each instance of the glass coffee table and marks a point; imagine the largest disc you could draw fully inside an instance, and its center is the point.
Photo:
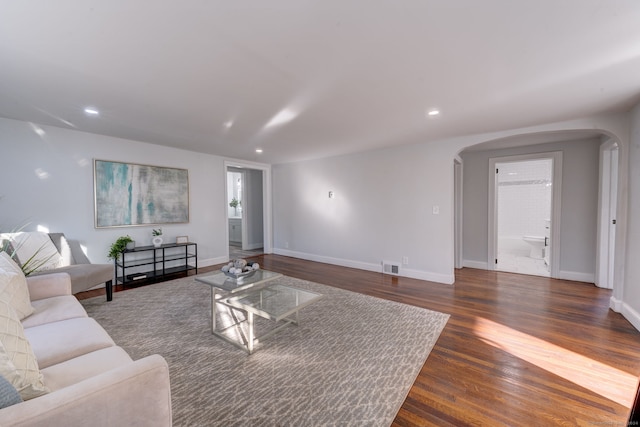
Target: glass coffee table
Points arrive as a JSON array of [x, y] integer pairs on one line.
[[259, 295]]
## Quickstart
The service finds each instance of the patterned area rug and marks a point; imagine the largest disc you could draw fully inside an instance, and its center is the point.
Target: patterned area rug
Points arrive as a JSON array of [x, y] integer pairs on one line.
[[351, 361]]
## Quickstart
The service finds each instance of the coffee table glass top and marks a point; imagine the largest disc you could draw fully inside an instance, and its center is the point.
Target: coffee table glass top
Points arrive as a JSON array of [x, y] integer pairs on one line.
[[274, 302], [222, 281]]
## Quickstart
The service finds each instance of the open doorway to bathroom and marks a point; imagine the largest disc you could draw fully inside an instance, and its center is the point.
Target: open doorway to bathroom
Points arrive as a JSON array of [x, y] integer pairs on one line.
[[245, 212], [523, 216]]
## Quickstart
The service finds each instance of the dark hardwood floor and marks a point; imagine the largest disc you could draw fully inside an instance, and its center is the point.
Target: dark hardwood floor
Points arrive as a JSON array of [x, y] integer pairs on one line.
[[518, 350]]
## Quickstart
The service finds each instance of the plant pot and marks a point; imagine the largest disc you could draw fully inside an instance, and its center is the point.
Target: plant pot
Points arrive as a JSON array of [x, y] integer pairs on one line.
[[131, 245], [157, 241]]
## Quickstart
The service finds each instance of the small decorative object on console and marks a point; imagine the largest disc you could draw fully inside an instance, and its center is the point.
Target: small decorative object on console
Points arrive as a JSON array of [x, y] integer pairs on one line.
[[157, 240], [240, 268]]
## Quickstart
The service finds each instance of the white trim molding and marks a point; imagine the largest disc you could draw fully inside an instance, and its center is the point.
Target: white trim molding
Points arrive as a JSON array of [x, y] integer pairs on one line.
[[556, 199], [631, 315], [446, 279], [212, 261], [475, 264], [576, 276], [267, 200]]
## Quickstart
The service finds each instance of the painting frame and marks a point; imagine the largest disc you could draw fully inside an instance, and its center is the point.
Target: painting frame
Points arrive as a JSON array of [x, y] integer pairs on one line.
[[133, 194]]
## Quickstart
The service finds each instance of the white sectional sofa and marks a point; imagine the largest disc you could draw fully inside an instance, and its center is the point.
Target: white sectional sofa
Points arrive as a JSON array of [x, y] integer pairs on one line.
[[90, 380]]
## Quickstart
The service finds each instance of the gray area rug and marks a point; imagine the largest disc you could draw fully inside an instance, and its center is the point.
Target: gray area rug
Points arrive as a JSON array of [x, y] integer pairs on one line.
[[350, 362]]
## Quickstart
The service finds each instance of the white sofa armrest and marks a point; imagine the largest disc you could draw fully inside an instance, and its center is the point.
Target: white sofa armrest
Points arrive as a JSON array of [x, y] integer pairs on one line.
[[136, 394], [49, 285]]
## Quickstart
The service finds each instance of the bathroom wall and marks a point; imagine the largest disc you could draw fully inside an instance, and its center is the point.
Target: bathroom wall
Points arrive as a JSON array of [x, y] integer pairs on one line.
[[524, 202]]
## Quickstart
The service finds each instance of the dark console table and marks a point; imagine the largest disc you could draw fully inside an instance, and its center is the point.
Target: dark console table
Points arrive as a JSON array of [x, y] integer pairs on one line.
[[145, 264]]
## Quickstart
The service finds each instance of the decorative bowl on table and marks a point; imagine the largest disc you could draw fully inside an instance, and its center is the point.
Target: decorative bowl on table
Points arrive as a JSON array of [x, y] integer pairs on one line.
[[240, 268]]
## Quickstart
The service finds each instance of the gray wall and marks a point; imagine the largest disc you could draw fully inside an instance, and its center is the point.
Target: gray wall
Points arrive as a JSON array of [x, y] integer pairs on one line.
[[579, 203], [382, 210], [254, 208], [49, 183]]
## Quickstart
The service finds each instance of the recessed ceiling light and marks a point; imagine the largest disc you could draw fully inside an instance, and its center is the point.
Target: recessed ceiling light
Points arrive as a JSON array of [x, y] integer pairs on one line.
[[91, 111], [433, 113], [258, 150], [228, 124]]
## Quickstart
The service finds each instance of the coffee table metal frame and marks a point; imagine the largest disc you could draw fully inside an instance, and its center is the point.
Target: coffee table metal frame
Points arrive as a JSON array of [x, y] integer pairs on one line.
[[236, 295]]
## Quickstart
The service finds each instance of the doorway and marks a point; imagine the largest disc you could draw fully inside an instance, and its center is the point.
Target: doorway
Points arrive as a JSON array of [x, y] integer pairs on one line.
[[524, 216], [245, 211], [524, 213]]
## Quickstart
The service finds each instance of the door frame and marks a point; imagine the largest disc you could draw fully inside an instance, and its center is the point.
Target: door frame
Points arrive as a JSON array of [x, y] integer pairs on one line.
[[267, 222], [556, 198], [457, 211], [607, 213]]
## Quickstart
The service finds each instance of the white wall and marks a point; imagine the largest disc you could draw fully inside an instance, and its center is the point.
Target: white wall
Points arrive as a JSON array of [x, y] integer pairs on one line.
[[631, 292], [579, 204], [382, 210], [48, 181]]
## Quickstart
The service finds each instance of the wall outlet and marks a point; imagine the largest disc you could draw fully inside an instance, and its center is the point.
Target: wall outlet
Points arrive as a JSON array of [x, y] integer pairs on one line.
[[405, 260], [286, 245], [436, 209]]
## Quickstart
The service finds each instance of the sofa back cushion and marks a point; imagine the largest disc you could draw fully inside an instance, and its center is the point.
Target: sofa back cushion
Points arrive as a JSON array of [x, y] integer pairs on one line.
[[13, 287], [62, 245]]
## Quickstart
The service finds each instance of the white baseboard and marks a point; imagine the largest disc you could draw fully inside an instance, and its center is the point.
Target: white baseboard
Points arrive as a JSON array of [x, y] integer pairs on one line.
[[405, 272], [252, 246], [578, 277], [475, 264], [446, 279], [631, 315], [615, 304], [212, 261]]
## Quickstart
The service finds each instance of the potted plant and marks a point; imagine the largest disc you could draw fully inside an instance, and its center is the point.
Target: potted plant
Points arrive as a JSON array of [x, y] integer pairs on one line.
[[234, 203], [157, 240], [119, 246]]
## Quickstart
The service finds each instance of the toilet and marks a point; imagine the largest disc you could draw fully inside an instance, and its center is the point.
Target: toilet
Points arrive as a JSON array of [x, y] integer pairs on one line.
[[537, 246]]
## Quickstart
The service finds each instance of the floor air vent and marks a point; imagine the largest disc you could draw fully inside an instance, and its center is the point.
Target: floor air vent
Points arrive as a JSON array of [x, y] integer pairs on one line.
[[389, 267]]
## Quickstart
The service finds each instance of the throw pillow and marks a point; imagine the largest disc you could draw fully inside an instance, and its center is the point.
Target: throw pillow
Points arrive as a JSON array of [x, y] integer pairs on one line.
[[13, 287], [23, 372], [35, 250], [8, 393]]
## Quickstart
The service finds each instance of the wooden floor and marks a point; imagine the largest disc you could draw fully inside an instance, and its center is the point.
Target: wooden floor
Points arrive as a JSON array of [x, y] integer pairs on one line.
[[517, 350]]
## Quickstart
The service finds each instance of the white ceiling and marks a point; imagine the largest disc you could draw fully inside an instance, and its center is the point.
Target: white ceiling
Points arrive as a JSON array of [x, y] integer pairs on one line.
[[357, 74]]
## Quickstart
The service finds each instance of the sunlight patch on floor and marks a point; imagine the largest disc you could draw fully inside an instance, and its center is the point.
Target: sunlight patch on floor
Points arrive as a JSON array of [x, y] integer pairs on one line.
[[607, 381]]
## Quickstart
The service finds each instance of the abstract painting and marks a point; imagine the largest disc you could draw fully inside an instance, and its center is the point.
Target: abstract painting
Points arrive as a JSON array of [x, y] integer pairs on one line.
[[127, 194]]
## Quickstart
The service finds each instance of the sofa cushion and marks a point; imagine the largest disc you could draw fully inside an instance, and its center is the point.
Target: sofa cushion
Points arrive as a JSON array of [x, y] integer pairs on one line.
[[13, 287], [18, 363], [86, 366], [8, 394], [54, 309], [85, 276], [35, 250], [60, 341]]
